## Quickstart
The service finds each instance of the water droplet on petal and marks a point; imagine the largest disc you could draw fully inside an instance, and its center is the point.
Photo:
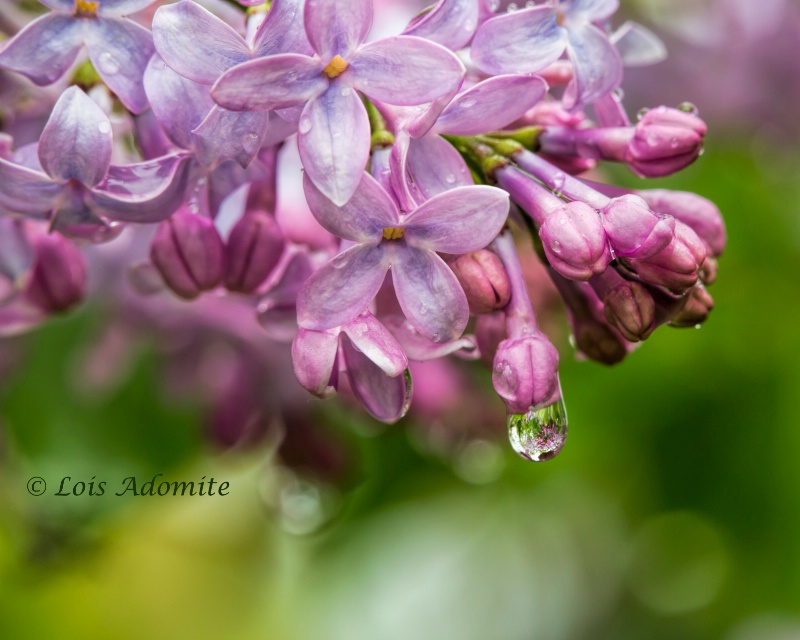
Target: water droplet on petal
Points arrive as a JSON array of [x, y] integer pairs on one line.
[[556, 246], [539, 435], [340, 261], [512, 7], [107, 64], [250, 142], [291, 76], [673, 142], [305, 125], [346, 90], [558, 183], [688, 107], [450, 178], [641, 112], [494, 4], [104, 127], [468, 103], [469, 25]]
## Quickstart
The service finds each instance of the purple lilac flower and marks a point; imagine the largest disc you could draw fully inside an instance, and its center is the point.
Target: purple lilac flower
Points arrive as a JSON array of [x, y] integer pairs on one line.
[[457, 221], [333, 127], [118, 48]]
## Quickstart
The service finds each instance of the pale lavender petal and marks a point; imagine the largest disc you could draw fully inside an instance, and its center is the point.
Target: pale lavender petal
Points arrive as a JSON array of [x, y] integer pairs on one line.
[[385, 397], [20, 316], [144, 192], [407, 196], [76, 142], [491, 105], [313, 357], [637, 45], [451, 23], [590, 10], [458, 221], [362, 218], [421, 349], [521, 42], [25, 191], [234, 135], [278, 129], [16, 251], [270, 83], [195, 43], [377, 343], [334, 138], [45, 49], [121, 7], [405, 71], [433, 166], [283, 30], [342, 288], [120, 49], [180, 105], [429, 293], [336, 27], [598, 68]]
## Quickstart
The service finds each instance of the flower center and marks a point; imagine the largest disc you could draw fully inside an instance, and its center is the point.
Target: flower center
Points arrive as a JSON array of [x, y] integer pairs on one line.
[[392, 233], [86, 8], [560, 18], [335, 67]]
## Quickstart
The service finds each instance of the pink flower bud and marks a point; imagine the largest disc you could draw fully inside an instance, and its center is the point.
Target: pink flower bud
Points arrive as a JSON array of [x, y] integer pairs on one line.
[[58, 278], [525, 372], [575, 242], [252, 251], [665, 140], [633, 229], [484, 280], [630, 308], [188, 252]]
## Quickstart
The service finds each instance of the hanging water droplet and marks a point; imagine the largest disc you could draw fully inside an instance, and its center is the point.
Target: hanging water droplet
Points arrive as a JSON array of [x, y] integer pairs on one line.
[[688, 107], [494, 4], [641, 112], [539, 435], [104, 127], [618, 93], [697, 326], [107, 63], [305, 125]]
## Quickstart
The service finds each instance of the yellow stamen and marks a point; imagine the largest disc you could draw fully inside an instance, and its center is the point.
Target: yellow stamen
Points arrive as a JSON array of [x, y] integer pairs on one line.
[[392, 233], [86, 8], [335, 67], [560, 19]]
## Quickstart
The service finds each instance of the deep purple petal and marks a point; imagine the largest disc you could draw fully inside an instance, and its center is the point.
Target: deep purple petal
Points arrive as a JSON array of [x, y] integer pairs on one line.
[[385, 397], [429, 293], [120, 49], [377, 343], [590, 10], [458, 221], [433, 166], [143, 192], [598, 68], [270, 83], [26, 191], [336, 27], [451, 23], [45, 49], [76, 142], [405, 71], [362, 218], [491, 105], [180, 105], [283, 30], [195, 43], [235, 135], [521, 42], [342, 288], [313, 357], [334, 139], [116, 8]]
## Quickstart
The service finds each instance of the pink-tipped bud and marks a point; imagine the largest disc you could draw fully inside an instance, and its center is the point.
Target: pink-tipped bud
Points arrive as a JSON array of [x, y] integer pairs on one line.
[[633, 229], [525, 372], [575, 242], [189, 254], [252, 251], [665, 140], [697, 304], [698, 212], [58, 278], [484, 280], [677, 265], [630, 308]]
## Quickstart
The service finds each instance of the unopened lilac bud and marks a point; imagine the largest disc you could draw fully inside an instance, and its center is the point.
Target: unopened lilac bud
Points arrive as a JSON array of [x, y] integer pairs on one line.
[[189, 254], [708, 270], [677, 265], [698, 212], [665, 140], [630, 308], [633, 229], [253, 249], [575, 242], [490, 331], [525, 372], [58, 277], [484, 280], [697, 304]]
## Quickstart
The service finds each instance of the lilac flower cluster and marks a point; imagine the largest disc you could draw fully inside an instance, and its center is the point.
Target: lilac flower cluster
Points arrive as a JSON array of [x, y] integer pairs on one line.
[[431, 154]]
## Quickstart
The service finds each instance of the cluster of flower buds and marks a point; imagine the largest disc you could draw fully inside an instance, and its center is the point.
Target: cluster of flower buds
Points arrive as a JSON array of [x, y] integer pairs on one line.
[[291, 155]]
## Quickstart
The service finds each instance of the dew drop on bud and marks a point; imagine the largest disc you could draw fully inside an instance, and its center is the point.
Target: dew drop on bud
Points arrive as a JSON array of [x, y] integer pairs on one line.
[[618, 93], [641, 112], [539, 435], [688, 107]]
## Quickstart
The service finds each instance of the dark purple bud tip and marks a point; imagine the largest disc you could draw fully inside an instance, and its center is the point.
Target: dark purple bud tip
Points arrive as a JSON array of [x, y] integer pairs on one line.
[[58, 277], [539, 434], [484, 280], [189, 254], [252, 251], [697, 304], [630, 308], [665, 141]]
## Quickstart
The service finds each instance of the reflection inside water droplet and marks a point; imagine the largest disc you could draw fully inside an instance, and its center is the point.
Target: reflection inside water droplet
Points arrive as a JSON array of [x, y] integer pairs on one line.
[[539, 435]]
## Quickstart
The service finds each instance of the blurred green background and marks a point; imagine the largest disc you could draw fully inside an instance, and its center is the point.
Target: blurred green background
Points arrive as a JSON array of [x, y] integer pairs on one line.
[[673, 512]]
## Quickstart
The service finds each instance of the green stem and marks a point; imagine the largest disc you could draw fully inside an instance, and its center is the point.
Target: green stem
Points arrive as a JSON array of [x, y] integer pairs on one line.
[[381, 136]]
